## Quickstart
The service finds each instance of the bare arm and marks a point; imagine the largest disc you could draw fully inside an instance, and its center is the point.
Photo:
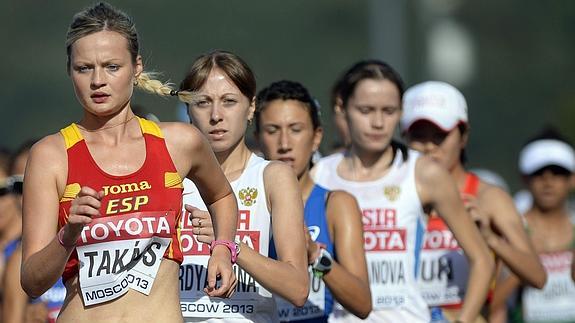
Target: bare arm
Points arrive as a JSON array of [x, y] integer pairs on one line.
[[194, 157], [15, 299], [348, 280], [290, 270], [43, 257], [503, 290], [437, 189], [511, 242]]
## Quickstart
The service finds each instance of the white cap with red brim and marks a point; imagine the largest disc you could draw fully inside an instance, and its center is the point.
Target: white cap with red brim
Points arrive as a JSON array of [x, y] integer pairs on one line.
[[437, 102]]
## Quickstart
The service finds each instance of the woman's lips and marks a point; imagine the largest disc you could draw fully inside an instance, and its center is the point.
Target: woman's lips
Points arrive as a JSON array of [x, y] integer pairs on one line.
[[99, 97], [218, 133]]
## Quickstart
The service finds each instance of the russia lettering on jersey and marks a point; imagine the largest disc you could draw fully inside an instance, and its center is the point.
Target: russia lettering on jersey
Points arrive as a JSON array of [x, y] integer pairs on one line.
[[555, 301], [393, 224], [250, 298]]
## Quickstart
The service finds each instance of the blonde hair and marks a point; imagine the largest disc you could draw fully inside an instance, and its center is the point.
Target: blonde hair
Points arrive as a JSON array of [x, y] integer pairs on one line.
[[147, 82], [102, 16]]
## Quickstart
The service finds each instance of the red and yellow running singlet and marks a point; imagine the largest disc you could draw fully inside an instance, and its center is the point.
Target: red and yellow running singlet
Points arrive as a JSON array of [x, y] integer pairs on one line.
[[155, 188]]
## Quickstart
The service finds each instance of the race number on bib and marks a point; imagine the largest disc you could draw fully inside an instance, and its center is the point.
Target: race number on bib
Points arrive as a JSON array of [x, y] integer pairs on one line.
[[194, 302], [120, 252], [387, 266]]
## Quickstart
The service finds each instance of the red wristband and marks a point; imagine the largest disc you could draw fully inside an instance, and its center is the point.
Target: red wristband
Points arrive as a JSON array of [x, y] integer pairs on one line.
[[234, 248], [60, 236]]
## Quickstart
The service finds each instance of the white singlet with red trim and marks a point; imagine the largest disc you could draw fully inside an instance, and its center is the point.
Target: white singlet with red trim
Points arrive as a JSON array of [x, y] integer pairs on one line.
[[555, 302], [394, 224], [250, 302]]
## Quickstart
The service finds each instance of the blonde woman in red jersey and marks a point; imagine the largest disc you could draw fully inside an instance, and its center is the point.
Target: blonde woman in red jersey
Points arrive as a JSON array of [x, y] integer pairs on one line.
[[102, 198], [435, 123]]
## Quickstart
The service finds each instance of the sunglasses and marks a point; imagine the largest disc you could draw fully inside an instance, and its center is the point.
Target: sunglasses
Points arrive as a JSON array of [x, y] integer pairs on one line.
[[13, 185]]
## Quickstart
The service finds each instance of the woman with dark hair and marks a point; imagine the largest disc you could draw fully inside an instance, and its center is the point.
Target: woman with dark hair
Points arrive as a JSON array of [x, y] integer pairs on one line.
[[269, 202], [435, 123], [102, 200], [547, 164], [393, 186], [288, 129]]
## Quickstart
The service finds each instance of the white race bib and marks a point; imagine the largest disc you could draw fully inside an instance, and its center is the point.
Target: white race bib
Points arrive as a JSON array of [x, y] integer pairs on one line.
[[556, 301], [120, 252], [387, 267], [193, 278]]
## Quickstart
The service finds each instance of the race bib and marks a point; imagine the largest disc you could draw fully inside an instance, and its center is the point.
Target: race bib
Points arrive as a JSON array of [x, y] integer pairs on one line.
[[120, 252], [443, 269], [387, 266], [194, 302], [555, 302]]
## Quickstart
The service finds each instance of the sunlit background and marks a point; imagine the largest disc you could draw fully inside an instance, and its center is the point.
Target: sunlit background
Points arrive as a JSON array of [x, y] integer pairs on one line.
[[512, 59]]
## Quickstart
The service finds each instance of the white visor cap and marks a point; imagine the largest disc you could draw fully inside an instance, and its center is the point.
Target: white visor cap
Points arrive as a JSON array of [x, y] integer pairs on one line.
[[546, 152], [437, 102]]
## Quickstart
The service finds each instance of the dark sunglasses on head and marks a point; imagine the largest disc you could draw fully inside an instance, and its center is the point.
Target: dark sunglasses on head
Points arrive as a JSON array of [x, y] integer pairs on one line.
[[13, 185]]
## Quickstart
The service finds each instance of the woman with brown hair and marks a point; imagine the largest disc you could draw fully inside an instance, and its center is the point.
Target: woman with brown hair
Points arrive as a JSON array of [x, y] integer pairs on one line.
[[269, 202], [393, 186]]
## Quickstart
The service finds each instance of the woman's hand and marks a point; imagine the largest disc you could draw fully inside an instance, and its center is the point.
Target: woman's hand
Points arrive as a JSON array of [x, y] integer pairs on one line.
[[84, 207], [219, 265], [481, 219], [311, 246], [220, 269], [202, 224]]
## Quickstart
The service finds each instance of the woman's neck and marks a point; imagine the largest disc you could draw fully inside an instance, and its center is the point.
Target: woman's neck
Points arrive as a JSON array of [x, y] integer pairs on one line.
[[234, 161], [459, 174], [110, 126], [306, 185], [368, 165], [552, 215]]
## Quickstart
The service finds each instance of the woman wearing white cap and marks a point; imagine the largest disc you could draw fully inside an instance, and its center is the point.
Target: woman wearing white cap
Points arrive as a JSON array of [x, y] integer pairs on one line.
[[392, 186], [435, 123], [547, 163]]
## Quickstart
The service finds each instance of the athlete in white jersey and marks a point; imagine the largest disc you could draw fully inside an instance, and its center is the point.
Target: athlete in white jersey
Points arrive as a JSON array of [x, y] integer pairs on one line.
[[287, 127], [251, 300], [269, 201], [547, 163], [393, 186]]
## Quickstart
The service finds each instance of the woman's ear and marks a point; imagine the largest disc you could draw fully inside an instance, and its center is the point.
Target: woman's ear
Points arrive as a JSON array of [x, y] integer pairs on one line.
[[139, 67], [252, 110], [317, 136]]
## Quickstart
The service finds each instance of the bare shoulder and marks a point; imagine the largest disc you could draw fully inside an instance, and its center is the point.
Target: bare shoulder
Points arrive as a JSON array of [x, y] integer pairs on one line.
[[276, 170], [490, 193], [180, 134], [428, 171], [52, 148], [340, 198], [496, 200]]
